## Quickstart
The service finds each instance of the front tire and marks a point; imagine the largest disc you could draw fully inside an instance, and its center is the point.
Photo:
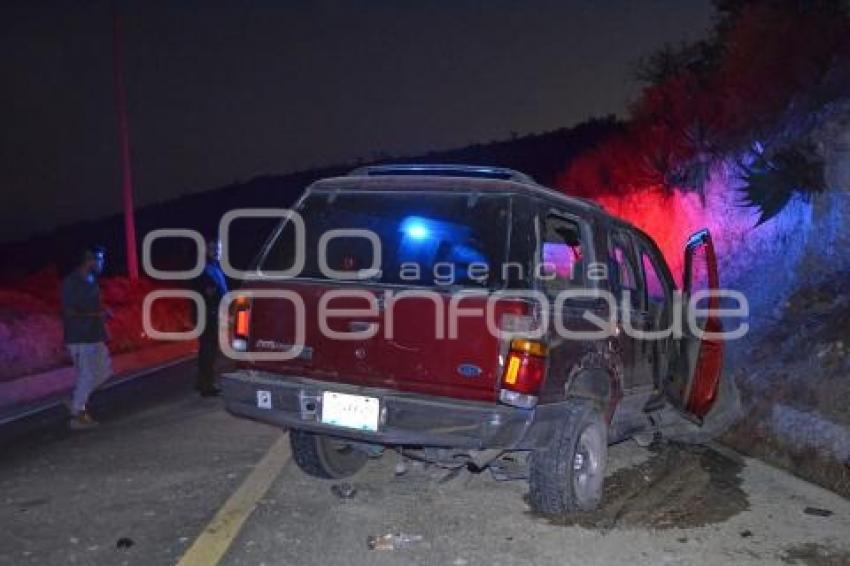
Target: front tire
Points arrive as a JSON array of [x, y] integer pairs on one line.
[[324, 456], [567, 476]]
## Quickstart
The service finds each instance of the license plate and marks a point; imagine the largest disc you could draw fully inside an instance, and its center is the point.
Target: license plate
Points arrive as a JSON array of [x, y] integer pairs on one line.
[[264, 399], [350, 411]]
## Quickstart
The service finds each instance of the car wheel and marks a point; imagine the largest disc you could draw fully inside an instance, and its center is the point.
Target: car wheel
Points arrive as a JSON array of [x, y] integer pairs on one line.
[[567, 475], [325, 456]]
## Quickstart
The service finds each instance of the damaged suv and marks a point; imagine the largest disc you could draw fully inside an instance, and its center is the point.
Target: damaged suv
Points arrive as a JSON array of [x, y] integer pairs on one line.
[[467, 316]]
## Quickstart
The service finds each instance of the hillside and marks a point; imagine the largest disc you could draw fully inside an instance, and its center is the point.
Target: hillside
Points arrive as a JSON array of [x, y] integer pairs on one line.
[[543, 156]]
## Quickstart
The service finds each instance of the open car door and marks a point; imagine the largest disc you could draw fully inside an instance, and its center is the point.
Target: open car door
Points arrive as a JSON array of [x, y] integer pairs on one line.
[[696, 374]]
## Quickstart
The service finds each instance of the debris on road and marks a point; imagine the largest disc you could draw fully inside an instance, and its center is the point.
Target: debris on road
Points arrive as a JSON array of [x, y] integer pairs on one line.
[[392, 541], [451, 474], [344, 490], [816, 554], [400, 468], [817, 512], [124, 543], [400, 465]]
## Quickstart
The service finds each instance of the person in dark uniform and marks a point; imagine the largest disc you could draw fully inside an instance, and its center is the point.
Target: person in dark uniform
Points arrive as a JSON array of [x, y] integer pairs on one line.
[[213, 286]]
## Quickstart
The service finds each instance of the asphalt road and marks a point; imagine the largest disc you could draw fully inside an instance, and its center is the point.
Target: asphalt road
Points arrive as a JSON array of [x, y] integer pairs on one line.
[[170, 477]]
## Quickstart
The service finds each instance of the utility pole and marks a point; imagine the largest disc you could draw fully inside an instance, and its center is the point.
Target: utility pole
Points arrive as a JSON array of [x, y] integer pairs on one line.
[[124, 146]]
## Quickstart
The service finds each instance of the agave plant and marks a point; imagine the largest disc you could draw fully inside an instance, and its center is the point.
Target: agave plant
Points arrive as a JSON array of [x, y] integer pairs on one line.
[[773, 178]]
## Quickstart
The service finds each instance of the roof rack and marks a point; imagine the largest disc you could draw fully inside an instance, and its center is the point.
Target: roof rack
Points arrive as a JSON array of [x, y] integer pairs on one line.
[[473, 171]]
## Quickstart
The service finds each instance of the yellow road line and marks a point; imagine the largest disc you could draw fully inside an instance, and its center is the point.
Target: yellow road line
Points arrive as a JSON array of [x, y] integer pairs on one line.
[[217, 537]]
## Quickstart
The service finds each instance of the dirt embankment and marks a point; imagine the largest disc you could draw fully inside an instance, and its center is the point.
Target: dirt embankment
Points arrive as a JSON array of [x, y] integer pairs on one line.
[[31, 338], [795, 387]]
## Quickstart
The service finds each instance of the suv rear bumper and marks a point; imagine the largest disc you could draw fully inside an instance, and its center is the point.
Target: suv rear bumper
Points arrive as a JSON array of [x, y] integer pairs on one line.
[[406, 418]]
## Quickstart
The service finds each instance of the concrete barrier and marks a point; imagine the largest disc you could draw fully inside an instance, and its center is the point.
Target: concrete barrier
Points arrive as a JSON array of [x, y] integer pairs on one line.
[[31, 393]]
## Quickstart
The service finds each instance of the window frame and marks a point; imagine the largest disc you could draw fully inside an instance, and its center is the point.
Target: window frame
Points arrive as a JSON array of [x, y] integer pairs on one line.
[[666, 287], [645, 245], [547, 210], [615, 233]]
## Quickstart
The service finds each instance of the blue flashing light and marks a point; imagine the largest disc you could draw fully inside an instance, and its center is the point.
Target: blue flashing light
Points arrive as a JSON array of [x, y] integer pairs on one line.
[[415, 228]]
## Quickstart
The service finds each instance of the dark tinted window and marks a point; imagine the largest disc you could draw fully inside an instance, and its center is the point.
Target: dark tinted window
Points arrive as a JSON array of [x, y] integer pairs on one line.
[[427, 239]]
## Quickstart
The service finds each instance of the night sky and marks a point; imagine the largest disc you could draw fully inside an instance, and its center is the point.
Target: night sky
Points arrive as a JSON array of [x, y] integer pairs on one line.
[[220, 92]]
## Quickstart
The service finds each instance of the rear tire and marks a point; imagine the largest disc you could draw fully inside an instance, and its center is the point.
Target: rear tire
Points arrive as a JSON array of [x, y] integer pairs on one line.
[[567, 476], [325, 457]]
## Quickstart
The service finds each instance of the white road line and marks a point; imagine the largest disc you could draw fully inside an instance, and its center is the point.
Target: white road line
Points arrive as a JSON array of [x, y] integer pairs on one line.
[[209, 548]]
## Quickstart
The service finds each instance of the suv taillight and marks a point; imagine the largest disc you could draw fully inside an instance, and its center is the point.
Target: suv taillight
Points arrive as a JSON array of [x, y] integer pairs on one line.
[[241, 328], [242, 323], [525, 369]]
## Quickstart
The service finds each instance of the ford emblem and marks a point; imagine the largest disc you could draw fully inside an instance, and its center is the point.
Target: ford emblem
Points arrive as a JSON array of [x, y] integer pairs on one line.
[[469, 370]]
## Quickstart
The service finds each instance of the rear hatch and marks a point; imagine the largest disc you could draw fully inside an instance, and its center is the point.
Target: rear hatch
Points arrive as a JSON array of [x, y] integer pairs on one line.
[[434, 245]]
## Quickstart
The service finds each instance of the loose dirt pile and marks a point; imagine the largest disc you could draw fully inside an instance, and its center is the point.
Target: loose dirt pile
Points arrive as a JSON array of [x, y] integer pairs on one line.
[[680, 486]]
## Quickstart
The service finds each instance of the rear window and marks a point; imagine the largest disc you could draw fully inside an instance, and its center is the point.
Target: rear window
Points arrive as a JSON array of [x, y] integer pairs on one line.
[[427, 238]]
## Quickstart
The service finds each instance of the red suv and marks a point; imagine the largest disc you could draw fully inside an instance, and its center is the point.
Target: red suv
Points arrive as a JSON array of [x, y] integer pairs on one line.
[[467, 316]]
